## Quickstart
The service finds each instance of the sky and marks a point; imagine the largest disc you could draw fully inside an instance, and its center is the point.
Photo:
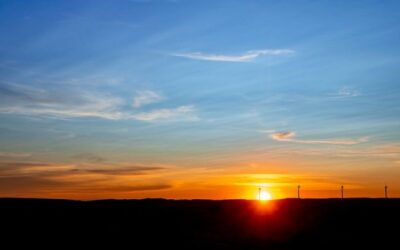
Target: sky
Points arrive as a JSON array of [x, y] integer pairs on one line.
[[186, 99]]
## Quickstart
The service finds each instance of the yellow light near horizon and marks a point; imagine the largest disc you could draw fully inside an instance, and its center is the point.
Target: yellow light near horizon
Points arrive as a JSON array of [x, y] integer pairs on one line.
[[264, 196]]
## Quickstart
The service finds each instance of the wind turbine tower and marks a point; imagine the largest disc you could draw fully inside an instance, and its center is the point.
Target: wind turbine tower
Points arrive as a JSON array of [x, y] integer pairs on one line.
[[298, 191], [386, 191], [342, 191]]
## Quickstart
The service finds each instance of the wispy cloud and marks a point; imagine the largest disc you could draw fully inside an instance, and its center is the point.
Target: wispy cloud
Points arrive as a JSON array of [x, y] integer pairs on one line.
[[346, 92], [160, 114], [24, 100], [289, 136], [64, 112], [66, 103], [24, 177], [15, 154], [246, 57], [78, 180], [388, 151], [385, 151], [130, 188], [153, 115], [129, 170], [146, 97], [49, 169], [24, 168], [335, 142]]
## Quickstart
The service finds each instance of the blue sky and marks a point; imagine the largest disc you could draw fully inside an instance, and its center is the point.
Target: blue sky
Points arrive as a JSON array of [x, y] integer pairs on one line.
[[294, 87]]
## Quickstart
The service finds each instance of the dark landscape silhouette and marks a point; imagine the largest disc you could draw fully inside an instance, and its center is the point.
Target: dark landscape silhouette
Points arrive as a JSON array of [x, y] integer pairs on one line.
[[203, 224]]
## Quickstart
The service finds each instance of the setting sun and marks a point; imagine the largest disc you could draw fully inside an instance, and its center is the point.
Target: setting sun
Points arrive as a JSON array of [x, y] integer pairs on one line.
[[264, 196]]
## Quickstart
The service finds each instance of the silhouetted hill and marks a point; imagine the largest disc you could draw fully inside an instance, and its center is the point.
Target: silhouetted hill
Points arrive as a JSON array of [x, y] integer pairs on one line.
[[202, 224]]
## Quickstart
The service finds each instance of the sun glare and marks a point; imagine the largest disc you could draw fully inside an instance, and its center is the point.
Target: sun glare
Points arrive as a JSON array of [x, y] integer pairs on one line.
[[264, 196]]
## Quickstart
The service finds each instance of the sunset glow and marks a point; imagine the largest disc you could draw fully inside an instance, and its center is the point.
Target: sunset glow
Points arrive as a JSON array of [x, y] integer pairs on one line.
[[264, 196], [199, 99]]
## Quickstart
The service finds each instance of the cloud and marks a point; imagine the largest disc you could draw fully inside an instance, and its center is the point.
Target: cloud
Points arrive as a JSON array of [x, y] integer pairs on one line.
[[283, 136], [17, 164], [12, 185], [288, 136], [386, 151], [268, 131], [129, 188], [153, 115], [335, 142], [40, 178], [39, 186], [146, 97], [67, 103], [162, 114], [130, 170], [257, 179], [46, 169], [246, 57], [94, 80], [15, 154], [21, 168], [347, 92]]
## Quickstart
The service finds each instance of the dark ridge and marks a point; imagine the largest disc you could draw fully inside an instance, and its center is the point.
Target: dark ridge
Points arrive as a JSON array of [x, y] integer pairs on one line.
[[201, 224]]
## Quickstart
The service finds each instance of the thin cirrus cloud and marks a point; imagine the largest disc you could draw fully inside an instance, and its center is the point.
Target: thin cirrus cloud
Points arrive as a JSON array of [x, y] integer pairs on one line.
[[26, 100], [246, 57], [159, 114], [347, 92], [289, 136], [146, 97]]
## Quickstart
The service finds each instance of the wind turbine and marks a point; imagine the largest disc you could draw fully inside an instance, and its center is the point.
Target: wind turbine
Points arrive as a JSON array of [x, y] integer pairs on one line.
[[342, 191], [386, 191], [298, 192]]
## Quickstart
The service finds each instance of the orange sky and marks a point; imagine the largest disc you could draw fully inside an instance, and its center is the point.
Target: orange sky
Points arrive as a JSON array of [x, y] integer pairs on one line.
[[234, 182]]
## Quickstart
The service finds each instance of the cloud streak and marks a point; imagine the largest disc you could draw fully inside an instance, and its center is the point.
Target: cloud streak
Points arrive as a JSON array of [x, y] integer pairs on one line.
[[15, 154], [162, 114], [347, 92], [246, 57], [24, 100], [46, 169], [130, 170], [36, 177], [289, 136], [146, 97], [37, 186]]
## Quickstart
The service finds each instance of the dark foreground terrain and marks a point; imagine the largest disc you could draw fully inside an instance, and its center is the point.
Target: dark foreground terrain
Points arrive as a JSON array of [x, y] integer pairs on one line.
[[202, 224]]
